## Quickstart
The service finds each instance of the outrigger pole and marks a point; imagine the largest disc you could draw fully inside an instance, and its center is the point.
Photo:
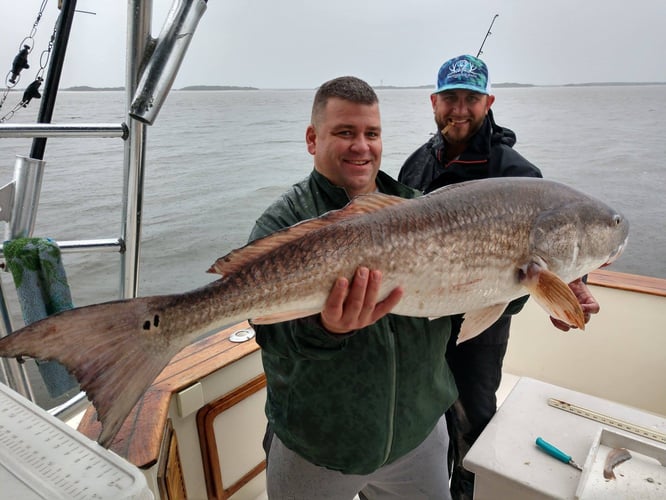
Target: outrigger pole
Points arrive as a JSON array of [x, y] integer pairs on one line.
[[64, 26], [486, 37]]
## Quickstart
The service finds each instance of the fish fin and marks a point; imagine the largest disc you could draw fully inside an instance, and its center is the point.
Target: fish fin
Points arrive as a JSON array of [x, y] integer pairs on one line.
[[283, 316], [553, 294], [367, 203], [478, 321], [108, 347], [614, 458], [363, 204]]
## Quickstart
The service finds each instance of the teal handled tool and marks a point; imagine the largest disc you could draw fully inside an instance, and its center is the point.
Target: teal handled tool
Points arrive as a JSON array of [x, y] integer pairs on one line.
[[554, 452]]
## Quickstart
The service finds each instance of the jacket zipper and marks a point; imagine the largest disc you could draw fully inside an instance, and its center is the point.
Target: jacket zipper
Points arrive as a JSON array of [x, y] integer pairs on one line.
[[394, 389]]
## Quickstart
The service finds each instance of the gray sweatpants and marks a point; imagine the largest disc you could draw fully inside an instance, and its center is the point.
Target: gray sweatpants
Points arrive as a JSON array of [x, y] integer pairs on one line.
[[421, 474]]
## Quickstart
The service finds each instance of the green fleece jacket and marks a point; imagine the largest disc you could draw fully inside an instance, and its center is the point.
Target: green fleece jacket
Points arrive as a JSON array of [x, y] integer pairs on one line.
[[357, 401]]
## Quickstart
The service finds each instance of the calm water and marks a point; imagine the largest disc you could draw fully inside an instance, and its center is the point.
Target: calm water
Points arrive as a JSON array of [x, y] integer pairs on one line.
[[217, 159]]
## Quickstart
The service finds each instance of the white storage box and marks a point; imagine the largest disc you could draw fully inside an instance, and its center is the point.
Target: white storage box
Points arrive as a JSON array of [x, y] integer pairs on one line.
[[642, 476]]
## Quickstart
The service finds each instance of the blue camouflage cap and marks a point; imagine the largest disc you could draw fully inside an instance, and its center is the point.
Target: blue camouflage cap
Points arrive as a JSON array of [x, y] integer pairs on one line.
[[463, 72]]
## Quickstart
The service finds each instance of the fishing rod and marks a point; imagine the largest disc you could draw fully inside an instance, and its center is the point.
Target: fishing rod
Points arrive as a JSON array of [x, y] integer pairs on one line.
[[486, 37]]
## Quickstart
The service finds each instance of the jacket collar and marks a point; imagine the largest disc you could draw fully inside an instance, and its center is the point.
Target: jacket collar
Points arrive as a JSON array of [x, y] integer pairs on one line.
[[385, 184]]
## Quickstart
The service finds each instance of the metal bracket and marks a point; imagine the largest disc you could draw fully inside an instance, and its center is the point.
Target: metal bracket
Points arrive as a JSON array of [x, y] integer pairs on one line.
[[22, 211], [7, 201], [164, 61]]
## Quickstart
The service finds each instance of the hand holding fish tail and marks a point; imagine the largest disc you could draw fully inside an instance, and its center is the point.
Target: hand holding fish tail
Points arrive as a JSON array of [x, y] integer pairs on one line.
[[587, 302], [354, 306]]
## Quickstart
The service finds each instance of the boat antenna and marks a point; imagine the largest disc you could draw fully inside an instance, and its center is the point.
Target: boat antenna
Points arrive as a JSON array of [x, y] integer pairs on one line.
[[486, 37]]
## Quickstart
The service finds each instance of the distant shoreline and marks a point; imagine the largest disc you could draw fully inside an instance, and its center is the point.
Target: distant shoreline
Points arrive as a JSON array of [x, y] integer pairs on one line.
[[85, 88]]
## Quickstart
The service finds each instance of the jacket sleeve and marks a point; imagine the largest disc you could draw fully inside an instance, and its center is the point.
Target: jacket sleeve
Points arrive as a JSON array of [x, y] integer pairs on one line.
[[303, 338], [512, 164], [419, 168]]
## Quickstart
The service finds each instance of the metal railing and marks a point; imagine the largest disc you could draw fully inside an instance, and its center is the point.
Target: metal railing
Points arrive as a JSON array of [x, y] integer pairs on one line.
[[151, 67]]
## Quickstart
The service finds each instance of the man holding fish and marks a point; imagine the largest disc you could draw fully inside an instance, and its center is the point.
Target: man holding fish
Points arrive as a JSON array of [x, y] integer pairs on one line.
[[356, 396], [470, 145], [357, 378]]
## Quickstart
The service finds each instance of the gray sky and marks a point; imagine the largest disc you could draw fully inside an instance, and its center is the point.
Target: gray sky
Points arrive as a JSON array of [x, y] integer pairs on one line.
[[301, 43]]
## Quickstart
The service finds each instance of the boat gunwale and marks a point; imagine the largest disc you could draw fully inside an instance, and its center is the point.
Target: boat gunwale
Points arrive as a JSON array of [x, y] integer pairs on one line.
[[628, 282]]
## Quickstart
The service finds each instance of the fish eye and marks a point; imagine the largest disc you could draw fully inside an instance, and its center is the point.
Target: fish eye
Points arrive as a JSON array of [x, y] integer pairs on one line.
[[617, 219]]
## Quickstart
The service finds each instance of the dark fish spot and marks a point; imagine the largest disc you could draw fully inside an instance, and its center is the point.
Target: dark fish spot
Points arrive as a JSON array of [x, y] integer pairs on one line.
[[156, 322]]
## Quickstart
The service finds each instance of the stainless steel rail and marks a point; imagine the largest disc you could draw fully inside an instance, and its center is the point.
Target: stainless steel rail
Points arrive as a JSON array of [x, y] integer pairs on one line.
[[139, 19], [69, 130], [90, 246]]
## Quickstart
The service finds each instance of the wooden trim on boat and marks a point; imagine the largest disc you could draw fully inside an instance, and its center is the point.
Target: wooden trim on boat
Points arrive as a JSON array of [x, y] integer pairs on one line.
[[170, 477], [205, 426], [629, 282], [140, 438]]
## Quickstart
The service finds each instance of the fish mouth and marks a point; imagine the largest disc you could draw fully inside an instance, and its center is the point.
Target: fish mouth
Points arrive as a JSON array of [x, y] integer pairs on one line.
[[616, 254]]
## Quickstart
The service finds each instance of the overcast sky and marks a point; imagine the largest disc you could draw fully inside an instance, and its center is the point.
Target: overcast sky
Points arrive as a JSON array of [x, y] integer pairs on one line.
[[301, 43]]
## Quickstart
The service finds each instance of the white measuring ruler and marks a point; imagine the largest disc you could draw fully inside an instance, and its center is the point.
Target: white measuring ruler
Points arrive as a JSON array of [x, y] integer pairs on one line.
[[608, 420]]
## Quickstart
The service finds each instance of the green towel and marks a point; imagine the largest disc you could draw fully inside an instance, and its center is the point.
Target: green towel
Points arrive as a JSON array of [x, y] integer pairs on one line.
[[42, 289]]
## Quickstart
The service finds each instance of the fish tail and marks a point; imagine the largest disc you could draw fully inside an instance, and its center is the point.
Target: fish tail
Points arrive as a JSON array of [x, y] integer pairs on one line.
[[614, 458], [115, 350]]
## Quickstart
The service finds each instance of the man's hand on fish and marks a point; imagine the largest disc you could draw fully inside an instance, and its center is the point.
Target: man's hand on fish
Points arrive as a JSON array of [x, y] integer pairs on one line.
[[586, 300], [354, 306]]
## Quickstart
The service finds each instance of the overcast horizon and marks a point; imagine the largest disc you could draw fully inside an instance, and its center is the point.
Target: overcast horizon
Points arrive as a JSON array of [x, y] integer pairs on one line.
[[298, 45]]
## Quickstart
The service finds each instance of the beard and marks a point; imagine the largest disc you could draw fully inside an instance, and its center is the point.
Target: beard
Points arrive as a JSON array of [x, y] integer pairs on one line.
[[459, 134]]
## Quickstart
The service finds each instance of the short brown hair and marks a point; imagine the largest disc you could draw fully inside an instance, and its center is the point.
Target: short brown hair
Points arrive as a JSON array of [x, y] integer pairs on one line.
[[348, 88]]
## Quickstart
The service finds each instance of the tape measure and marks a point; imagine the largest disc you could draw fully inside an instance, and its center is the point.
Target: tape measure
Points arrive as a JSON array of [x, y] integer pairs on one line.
[[608, 420]]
